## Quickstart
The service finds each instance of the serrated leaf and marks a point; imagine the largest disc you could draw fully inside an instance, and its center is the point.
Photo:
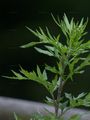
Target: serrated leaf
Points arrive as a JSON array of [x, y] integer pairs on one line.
[[18, 75], [30, 75]]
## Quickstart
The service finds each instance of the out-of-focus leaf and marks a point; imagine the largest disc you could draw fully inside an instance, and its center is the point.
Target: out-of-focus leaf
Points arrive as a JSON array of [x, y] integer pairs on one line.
[[68, 95], [80, 96], [49, 100], [51, 69], [75, 117]]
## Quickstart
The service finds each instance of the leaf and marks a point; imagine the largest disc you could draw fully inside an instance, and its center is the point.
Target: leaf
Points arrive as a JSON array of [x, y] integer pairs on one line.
[[80, 96], [30, 75], [81, 22], [68, 95], [75, 117], [39, 71], [50, 36], [42, 76], [83, 64], [72, 67], [87, 100], [17, 76], [67, 22], [49, 100], [49, 48], [43, 51], [31, 44], [55, 20], [55, 83], [51, 69], [45, 74], [15, 116]]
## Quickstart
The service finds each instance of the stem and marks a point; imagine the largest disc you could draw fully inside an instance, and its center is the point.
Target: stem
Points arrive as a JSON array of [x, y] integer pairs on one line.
[[60, 89], [58, 97]]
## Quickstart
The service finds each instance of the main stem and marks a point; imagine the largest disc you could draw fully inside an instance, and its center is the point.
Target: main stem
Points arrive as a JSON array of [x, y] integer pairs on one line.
[[58, 98], [59, 92]]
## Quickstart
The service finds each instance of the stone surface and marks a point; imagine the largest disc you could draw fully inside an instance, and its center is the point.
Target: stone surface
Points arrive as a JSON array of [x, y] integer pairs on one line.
[[25, 108]]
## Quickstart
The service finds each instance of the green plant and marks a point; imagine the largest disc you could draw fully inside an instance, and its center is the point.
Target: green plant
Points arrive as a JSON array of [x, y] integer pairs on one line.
[[71, 59]]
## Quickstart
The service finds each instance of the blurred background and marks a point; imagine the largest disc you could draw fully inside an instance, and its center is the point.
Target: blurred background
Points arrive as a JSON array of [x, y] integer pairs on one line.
[[14, 16]]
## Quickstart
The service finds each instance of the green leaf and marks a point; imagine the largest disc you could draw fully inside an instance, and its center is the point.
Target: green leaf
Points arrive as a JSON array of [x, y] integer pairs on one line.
[[87, 100], [30, 75], [45, 75], [15, 116], [68, 95], [16, 76], [31, 44], [50, 48], [55, 20], [81, 22], [75, 117], [39, 71], [56, 83], [49, 35], [49, 100], [72, 67], [83, 64], [67, 22], [43, 51], [51, 69], [80, 96]]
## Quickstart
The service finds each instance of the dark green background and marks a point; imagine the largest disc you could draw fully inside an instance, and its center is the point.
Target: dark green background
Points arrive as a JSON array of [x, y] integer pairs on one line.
[[14, 16]]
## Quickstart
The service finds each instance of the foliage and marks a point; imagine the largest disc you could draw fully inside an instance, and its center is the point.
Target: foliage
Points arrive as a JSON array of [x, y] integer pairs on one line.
[[72, 56]]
